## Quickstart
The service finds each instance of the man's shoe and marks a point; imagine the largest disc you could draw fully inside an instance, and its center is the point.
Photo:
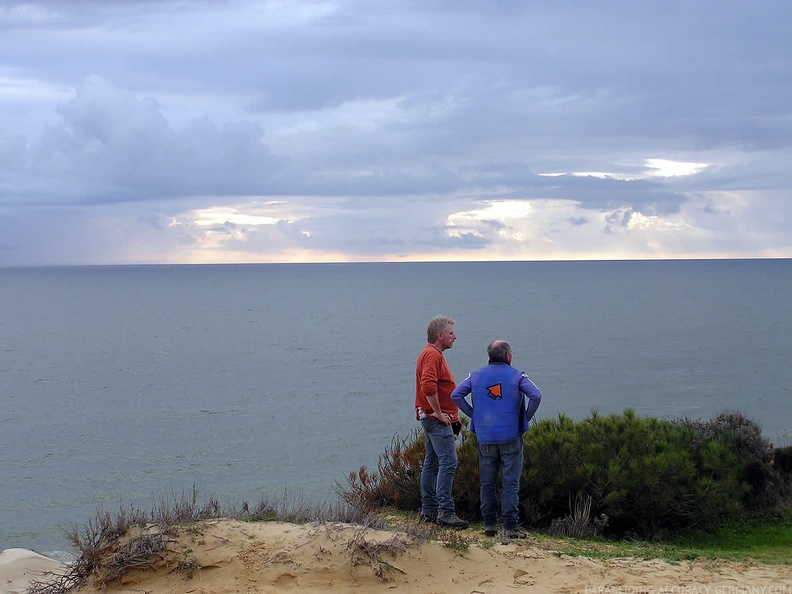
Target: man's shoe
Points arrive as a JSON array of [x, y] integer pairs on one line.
[[452, 521], [427, 519], [515, 534], [490, 532]]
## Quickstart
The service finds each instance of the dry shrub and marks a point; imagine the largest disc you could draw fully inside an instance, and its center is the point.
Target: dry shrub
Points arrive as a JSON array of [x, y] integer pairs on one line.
[[578, 523], [135, 554], [367, 552], [94, 542], [184, 508], [396, 482]]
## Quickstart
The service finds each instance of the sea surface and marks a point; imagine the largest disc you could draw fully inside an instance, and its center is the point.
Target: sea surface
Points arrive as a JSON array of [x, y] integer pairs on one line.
[[124, 385]]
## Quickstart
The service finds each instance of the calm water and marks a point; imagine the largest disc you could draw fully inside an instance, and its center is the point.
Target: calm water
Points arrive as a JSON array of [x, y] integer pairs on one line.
[[121, 385]]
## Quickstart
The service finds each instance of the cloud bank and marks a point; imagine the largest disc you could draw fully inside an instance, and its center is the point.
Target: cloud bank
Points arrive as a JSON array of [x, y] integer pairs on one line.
[[143, 132]]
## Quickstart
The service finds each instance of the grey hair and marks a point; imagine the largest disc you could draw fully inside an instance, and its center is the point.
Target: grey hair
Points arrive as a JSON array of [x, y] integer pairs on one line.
[[497, 351], [436, 326]]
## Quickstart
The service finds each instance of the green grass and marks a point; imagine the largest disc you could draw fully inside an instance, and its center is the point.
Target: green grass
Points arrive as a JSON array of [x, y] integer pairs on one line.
[[768, 540], [764, 540]]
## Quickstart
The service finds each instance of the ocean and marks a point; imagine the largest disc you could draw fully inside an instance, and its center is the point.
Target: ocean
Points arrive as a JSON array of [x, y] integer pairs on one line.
[[123, 385]]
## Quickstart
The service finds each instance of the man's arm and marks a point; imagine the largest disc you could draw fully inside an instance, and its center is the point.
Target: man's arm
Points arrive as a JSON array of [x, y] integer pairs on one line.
[[436, 413], [529, 388], [459, 394]]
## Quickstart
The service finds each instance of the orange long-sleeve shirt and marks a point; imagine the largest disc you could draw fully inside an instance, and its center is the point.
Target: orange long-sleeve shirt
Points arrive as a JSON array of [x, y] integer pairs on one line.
[[432, 375]]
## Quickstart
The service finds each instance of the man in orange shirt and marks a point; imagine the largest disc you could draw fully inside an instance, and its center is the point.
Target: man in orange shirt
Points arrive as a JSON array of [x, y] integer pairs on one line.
[[436, 412]]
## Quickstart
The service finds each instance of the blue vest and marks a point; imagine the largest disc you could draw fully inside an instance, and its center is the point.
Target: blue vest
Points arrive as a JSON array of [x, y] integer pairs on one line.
[[498, 404]]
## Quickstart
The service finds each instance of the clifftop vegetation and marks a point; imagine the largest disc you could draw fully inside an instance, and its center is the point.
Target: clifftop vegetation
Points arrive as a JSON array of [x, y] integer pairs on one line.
[[617, 475]]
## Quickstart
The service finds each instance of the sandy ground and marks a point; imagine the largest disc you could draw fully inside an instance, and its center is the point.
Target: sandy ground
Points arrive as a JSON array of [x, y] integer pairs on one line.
[[226, 556], [19, 566]]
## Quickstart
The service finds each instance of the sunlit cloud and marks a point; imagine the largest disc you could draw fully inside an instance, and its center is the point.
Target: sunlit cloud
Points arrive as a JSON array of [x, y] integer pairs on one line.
[[495, 218], [250, 212], [668, 168], [499, 210], [640, 222], [652, 168], [220, 215]]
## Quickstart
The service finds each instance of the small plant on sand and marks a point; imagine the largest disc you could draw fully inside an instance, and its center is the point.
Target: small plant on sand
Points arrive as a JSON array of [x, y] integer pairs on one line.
[[367, 552], [188, 564], [456, 541]]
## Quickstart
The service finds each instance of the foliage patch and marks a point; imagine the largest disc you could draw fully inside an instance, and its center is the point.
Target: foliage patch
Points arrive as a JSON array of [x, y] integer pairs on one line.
[[620, 475]]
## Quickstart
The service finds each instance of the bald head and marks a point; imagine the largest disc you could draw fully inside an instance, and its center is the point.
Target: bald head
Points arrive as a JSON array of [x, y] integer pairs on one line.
[[499, 351]]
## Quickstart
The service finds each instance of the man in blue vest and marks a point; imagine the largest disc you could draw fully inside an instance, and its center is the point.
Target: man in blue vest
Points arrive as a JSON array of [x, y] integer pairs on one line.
[[499, 418]]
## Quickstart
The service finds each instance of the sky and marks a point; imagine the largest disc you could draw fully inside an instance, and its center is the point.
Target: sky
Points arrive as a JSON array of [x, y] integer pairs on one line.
[[225, 131]]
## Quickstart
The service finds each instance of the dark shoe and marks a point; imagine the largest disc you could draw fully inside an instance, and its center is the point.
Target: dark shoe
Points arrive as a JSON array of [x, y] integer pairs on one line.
[[515, 534], [452, 521], [490, 532], [427, 519]]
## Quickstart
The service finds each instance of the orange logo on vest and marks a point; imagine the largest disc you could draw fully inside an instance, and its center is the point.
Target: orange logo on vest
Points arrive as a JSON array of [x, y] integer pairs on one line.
[[494, 391]]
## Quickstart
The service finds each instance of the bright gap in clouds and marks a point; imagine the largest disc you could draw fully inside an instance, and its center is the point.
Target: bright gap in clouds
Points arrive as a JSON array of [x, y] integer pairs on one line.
[[640, 221], [221, 215], [652, 168], [217, 226], [251, 213], [667, 168], [499, 211]]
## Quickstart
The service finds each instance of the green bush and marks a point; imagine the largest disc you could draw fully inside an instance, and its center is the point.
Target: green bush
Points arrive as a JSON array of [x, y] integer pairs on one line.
[[767, 484], [782, 459], [648, 477], [642, 473]]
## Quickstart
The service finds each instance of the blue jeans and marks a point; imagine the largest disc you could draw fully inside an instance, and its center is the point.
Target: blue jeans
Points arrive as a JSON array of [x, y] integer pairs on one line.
[[507, 457], [440, 463]]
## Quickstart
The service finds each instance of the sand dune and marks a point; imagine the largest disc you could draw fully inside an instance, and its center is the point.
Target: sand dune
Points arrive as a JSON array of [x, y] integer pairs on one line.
[[232, 557]]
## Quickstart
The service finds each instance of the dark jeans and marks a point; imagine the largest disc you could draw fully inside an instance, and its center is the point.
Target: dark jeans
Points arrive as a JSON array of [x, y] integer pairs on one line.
[[440, 463], [507, 457]]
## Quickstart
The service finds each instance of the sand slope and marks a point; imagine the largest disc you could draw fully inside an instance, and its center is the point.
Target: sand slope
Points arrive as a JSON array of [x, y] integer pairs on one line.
[[226, 556], [19, 566]]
